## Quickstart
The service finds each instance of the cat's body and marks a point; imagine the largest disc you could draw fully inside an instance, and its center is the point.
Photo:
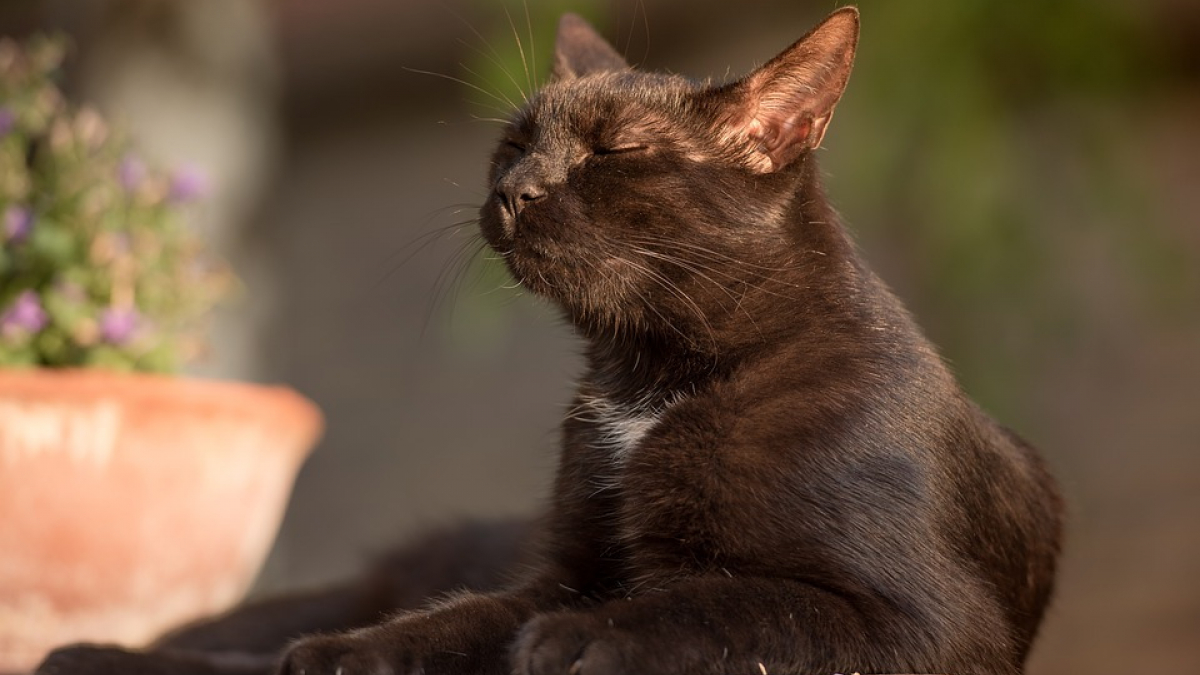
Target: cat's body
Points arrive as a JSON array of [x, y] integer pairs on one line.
[[767, 467]]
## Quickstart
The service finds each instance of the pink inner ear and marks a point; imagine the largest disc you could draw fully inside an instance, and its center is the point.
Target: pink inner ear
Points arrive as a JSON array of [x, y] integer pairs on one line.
[[781, 137]]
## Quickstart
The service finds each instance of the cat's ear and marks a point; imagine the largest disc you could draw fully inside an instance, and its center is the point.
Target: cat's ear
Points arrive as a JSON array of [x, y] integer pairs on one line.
[[782, 109], [580, 50]]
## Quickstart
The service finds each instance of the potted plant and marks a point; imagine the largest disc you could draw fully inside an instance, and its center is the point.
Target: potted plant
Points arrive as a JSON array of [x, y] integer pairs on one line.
[[130, 500]]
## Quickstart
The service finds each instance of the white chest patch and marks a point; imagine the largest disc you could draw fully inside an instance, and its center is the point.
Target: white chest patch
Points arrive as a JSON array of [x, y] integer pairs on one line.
[[621, 428]]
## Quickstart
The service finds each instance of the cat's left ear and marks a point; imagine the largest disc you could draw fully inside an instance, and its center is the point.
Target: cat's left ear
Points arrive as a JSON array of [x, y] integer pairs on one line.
[[782, 109], [579, 50]]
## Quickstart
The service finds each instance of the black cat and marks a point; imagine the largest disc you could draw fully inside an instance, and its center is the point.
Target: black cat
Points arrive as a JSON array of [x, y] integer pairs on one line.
[[767, 468]]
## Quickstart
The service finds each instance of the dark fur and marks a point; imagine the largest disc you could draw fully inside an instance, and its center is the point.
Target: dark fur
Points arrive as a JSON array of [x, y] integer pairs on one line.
[[809, 491]]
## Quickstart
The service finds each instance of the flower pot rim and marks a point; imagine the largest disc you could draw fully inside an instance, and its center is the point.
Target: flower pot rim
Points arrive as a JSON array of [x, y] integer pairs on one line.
[[226, 397]]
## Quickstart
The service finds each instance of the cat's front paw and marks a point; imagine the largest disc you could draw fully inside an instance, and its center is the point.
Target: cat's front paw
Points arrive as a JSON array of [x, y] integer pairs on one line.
[[87, 659], [575, 644], [345, 655], [403, 649], [84, 659]]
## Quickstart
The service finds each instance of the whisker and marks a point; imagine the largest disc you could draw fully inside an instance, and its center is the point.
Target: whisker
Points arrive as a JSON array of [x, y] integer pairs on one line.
[[701, 249], [488, 258], [650, 305], [425, 240], [496, 62], [468, 262], [646, 23], [444, 281], [452, 209], [532, 41], [503, 112], [481, 78], [760, 287], [459, 80], [700, 271], [520, 47], [629, 33], [495, 120], [662, 241], [478, 265], [672, 288], [487, 43], [473, 191], [691, 267]]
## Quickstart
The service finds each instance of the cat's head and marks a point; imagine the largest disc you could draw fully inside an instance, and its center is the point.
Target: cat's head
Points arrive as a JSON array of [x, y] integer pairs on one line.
[[643, 201]]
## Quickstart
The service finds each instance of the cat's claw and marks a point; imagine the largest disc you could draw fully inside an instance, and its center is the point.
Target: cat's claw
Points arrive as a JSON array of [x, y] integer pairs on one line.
[[572, 644], [369, 653], [334, 655]]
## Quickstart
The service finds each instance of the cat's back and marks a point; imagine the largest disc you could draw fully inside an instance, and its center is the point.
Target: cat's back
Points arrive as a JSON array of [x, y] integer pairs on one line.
[[1006, 517]]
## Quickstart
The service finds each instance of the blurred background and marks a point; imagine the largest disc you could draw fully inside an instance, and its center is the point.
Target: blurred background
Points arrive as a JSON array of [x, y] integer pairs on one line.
[[1024, 174]]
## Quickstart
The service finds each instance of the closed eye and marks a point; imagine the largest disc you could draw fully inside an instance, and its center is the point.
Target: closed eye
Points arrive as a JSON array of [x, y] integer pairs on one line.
[[621, 149], [519, 147]]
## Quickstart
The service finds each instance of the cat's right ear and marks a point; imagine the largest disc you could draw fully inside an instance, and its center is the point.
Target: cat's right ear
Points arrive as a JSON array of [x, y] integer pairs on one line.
[[782, 110], [579, 50]]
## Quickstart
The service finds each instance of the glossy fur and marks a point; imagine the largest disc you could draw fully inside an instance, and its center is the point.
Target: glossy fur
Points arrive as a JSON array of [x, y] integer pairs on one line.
[[768, 469]]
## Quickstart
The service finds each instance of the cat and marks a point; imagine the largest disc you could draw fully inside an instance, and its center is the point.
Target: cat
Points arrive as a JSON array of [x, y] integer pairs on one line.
[[766, 469]]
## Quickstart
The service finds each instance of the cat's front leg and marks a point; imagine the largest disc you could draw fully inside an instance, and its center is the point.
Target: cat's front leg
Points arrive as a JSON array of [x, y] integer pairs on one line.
[[467, 635]]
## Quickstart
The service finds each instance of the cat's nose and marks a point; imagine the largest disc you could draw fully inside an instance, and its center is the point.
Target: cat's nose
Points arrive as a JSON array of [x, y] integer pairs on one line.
[[516, 195]]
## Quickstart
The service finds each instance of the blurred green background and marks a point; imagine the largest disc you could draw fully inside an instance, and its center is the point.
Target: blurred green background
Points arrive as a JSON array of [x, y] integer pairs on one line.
[[1023, 173]]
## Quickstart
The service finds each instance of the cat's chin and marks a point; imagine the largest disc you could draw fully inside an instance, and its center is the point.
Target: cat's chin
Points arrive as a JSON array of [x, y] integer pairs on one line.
[[562, 285], [541, 269], [564, 293], [534, 272]]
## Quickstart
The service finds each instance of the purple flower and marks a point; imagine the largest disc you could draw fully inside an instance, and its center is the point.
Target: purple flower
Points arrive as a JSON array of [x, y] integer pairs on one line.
[[24, 315], [188, 184], [18, 221], [118, 326], [8, 119], [131, 173]]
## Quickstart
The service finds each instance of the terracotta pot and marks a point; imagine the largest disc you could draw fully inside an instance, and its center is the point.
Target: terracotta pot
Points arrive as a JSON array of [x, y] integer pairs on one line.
[[132, 503]]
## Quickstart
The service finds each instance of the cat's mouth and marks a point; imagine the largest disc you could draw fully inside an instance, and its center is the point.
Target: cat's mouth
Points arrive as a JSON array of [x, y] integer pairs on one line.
[[508, 236], [554, 270], [541, 269]]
